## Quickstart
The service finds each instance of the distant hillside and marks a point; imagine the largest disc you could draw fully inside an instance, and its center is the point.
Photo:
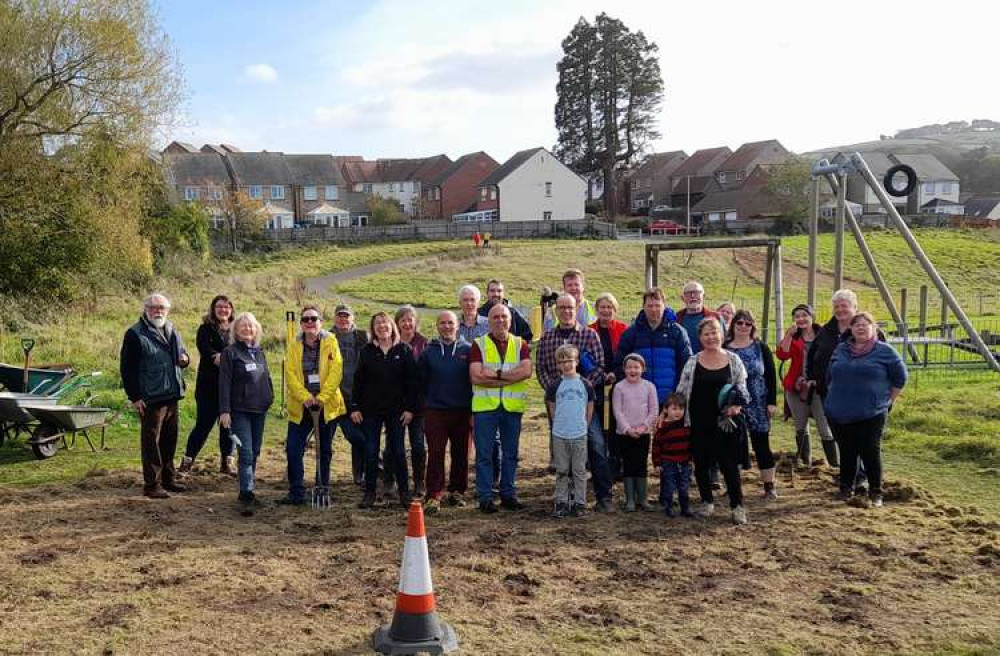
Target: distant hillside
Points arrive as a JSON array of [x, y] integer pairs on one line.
[[952, 143]]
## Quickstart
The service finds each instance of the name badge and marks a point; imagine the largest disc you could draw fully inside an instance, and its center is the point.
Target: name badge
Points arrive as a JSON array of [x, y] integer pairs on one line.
[[251, 366], [312, 379]]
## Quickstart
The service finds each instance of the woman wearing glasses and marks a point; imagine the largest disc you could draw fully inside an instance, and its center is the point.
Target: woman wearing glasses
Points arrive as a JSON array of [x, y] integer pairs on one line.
[[759, 363], [313, 368]]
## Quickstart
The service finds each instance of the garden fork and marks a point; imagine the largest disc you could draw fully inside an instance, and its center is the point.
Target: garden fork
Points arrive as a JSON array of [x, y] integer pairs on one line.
[[321, 489]]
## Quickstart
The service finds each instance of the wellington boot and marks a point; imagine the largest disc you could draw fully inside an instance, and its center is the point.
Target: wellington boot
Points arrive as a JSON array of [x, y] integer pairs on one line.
[[832, 453], [641, 492], [419, 474], [629, 494]]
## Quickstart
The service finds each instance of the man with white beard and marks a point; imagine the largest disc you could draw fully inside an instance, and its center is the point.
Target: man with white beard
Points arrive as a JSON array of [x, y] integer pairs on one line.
[[152, 358]]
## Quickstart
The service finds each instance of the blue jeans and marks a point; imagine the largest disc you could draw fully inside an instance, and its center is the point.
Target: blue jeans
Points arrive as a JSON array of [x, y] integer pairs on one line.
[[248, 428], [485, 427], [418, 445], [597, 456], [675, 477], [295, 451], [395, 447]]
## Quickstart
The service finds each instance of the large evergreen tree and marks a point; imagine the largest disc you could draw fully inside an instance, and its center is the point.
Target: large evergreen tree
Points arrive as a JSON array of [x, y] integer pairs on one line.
[[609, 95]]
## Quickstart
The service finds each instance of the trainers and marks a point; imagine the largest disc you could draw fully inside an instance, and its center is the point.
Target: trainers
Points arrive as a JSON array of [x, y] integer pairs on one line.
[[739, 515], [185, 466], [174, 487], [604, 506], [158, 493], [578, 510], [488, 507], [561, 511], [368, 500], [686, 512], [844, 494], [706, 510], [877, 501], [860, 502], [246, 497], [511, 504], [770, 494], [456, 499], [861, 490], [432, 506], [227, 465]]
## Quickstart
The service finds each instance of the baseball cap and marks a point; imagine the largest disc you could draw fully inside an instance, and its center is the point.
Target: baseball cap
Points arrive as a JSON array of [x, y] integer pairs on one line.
[[343, 309]]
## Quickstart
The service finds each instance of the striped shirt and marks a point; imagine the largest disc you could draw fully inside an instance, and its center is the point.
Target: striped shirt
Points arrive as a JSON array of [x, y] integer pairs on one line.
[[671, 443]]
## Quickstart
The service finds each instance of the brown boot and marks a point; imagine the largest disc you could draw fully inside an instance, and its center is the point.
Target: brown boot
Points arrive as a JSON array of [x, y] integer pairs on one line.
[[226, 465]]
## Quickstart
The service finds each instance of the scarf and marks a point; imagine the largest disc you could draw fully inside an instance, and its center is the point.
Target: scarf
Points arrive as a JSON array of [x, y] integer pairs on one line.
[[860, 349]]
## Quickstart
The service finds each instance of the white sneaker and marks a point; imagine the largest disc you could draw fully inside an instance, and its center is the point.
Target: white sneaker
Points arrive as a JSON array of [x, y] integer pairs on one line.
[[739, 515], [706, 510]]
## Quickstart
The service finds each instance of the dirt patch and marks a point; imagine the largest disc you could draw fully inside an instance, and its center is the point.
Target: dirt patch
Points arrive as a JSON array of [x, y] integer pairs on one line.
[[753, 262], [185, 571]]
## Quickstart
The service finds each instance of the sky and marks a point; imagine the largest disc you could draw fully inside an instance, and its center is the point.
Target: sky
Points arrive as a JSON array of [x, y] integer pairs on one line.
[[398, 78]]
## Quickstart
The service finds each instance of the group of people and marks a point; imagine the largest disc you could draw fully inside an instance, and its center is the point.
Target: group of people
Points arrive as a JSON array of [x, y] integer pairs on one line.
[[696, 387]]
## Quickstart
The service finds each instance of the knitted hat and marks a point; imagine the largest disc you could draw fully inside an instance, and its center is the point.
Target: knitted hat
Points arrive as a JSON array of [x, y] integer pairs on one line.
[[803, 306]]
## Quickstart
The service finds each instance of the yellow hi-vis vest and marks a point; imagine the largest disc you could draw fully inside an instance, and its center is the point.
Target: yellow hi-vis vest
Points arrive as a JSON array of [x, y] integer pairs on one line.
[[511, 396]]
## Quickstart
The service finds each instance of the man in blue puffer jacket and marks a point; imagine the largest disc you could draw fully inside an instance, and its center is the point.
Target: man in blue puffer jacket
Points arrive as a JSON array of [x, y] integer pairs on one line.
[[660, 340]]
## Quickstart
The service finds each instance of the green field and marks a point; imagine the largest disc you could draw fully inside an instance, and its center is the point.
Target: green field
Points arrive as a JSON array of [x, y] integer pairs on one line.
[[78, 532]]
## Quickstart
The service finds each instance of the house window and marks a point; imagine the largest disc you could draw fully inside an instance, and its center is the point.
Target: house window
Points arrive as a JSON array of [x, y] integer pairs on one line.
[[546, 216], [216, 193], [945, 187], [277, 192], [493, 193], [256, 192], [309, 193], [740, 175], [218, 221], [190, 193], [366, 187], [722, 176], [332, 192], [437, 193], [483, 193], [360, 220], [548, 190], [928, 187], [635, 184]]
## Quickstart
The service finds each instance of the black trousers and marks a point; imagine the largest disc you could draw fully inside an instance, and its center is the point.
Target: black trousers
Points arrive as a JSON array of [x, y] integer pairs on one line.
[[715, 449], [762, 449], [860, 439], [634, 453], [207, 416]]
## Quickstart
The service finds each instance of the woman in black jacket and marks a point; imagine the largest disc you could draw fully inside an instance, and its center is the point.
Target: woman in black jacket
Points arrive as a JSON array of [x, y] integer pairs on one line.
[[762, 384], [245, 394], [212, 339], [385, 393]]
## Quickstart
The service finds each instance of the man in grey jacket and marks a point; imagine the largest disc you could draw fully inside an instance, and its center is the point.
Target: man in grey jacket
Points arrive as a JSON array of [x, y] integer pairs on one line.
[[152, 359]]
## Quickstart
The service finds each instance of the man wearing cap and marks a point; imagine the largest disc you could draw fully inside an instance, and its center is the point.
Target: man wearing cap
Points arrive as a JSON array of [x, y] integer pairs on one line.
[[693, 296], [499, 363], [351, 340]]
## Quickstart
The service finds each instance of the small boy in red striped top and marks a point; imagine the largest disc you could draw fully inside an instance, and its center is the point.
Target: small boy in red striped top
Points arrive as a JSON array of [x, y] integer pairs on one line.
[[672, 455]]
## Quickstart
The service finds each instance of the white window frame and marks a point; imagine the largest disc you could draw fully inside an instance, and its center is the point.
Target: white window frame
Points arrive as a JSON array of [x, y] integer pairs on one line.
[[929, 187], [255, 191], [366, 187], [309, 192], [190, 193], [281, 192], [493, 193], [216, 193], [335, 195], [548, 190], [945, 187], [546, 216]]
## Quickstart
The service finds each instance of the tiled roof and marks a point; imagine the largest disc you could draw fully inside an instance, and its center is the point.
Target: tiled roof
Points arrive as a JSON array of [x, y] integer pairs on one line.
[[201, 169], [508, 167], [455, 167], [657, 161], [703, 162], [981, 207], [260, 168], [314, 170], [746, 155], [927, 167]]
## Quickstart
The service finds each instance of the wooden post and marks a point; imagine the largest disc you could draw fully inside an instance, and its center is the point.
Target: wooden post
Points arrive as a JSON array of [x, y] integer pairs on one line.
[[768, 272], [813, 240], [838, 244], [779, 298], [923, 319]]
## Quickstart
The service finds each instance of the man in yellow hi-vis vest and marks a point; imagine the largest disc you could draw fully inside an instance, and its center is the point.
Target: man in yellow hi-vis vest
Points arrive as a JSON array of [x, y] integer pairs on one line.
[[499, 363]]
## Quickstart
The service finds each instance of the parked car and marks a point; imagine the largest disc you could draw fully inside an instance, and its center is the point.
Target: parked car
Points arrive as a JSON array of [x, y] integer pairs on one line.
[[664, 227]]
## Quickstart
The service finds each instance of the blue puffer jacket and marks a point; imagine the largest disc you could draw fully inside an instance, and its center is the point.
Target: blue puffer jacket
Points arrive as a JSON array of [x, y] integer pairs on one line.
[[664, 349]]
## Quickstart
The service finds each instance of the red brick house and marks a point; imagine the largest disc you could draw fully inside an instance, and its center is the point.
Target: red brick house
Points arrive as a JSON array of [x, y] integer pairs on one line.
[[455, 189]]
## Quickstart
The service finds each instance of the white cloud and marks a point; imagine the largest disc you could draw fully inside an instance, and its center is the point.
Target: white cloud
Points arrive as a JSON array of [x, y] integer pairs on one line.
[[263, 73]]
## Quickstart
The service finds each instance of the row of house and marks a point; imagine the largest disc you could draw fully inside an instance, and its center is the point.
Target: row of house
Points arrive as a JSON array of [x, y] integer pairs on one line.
[[334, 190]]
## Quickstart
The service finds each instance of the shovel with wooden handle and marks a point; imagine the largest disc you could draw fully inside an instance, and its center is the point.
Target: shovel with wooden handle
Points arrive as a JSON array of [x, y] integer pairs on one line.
[[27, 345]]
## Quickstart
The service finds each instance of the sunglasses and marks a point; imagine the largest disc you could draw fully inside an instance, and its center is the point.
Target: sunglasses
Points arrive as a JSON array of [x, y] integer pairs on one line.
[[310, 319], [743, 322], [565, 361]]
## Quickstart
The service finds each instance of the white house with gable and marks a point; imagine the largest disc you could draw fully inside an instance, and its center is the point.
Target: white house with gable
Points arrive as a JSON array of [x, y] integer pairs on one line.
[[532, 186]]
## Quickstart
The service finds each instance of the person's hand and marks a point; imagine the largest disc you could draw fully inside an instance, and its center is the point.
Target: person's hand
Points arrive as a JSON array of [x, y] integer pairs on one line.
[[216, 357], [140, 407], [184, 360], [658, 470], [733, 410], [772, 410], [312, 401], [609, 379], [791, 331], [356, 417], [225, 420], [406, 417]]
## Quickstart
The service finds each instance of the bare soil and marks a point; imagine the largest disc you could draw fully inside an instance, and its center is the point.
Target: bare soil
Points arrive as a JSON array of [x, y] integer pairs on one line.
[[97, 568]]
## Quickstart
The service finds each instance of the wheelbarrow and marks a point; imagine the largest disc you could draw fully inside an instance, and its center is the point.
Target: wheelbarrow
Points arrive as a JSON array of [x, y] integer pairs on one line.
[[15, 420], [64, 422], [40, 380]]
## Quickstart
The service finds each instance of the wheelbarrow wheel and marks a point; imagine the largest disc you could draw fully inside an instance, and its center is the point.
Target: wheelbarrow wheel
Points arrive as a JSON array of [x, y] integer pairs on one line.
[[45, 441]]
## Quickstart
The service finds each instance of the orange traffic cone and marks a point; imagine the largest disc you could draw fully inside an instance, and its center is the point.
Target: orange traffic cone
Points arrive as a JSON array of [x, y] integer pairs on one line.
[[415, 625]]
